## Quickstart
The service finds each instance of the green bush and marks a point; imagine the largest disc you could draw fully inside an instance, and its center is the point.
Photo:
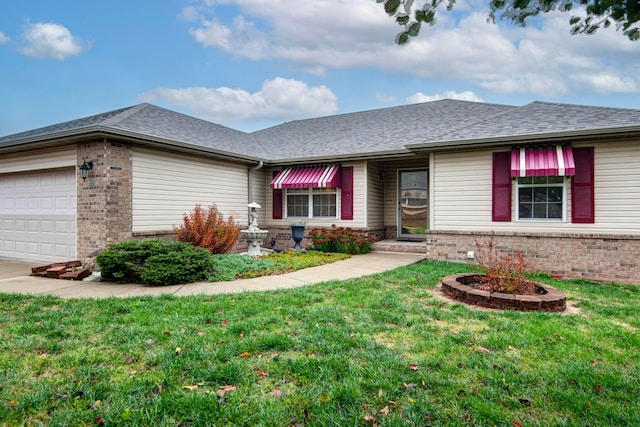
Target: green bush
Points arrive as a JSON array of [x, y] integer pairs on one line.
[[155, 262], [340, 240]]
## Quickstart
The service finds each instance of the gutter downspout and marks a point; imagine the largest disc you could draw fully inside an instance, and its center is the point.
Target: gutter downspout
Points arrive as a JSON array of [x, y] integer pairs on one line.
[[260, 165]]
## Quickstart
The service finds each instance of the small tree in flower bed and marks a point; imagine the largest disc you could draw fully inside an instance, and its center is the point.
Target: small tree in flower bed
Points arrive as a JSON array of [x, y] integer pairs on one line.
[[208, 229], [503, 273], [340, 240]]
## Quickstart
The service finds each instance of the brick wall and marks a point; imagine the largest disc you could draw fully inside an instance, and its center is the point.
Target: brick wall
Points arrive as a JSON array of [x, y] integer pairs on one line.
[[596, 257], [104, 198]]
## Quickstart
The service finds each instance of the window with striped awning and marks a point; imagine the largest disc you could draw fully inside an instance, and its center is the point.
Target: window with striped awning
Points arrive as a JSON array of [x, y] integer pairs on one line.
[[550, 160], [326, 176]]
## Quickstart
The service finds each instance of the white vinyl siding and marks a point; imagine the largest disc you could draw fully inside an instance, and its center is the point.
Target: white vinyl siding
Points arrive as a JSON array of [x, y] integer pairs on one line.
[[375, 195], [462, 193], [39, 159], [167, 185]]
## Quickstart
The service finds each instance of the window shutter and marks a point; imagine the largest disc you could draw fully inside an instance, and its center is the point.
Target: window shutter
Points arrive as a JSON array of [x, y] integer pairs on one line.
[[277, 202], [501, 193], [346, 200], [582, 187]]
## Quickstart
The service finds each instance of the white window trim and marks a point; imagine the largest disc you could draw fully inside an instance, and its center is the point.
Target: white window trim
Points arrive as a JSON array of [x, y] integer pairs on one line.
[[310, 199], [564, 201]]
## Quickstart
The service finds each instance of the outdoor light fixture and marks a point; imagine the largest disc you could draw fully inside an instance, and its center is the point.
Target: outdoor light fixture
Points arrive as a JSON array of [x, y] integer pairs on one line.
[[85, 168]]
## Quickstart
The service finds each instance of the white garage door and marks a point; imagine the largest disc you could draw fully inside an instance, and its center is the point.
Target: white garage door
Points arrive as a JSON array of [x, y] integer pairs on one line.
[[38, 215]]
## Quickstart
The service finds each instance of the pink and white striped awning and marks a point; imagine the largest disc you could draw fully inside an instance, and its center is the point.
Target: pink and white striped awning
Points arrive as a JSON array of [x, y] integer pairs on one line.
[[307, 177], [553, 160]]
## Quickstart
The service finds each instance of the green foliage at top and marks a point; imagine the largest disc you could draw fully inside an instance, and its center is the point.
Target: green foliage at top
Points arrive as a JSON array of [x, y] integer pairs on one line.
[[382, 350], [208, 229], [155, 262], [623, 14], [340, 240]]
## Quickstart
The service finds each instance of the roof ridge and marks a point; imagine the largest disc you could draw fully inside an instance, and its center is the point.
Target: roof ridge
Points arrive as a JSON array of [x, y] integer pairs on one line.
[[125, 114]]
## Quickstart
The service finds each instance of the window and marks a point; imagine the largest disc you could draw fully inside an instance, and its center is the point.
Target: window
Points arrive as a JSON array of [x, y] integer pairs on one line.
[[541, 198], [312, 202]]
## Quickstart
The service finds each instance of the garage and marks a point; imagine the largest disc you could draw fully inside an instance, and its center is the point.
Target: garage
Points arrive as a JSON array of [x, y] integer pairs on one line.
[[38, 215]]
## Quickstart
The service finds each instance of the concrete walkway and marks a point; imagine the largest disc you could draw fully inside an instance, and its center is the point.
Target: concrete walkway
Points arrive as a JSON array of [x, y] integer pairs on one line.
[[15, 278]]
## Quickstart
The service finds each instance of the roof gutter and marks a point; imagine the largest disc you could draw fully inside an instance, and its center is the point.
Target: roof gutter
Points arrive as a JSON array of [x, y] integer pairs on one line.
[[64, 137]]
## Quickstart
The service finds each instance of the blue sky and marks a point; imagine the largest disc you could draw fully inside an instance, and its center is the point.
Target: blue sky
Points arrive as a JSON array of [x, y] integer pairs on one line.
[[249, 64]]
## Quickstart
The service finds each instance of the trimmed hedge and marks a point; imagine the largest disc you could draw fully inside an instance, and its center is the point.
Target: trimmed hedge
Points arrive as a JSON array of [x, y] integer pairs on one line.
[[155, 262]]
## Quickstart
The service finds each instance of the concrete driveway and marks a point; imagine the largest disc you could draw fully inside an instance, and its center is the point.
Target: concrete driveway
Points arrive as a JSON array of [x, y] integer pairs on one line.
[[11, 268], [15, 278]]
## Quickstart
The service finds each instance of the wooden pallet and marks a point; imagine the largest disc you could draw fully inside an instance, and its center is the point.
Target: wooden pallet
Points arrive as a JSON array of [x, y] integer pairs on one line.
[[62, 270]]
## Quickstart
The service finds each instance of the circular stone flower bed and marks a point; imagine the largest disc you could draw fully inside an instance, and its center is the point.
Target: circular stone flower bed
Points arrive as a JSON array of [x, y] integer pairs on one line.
[[464, 288]]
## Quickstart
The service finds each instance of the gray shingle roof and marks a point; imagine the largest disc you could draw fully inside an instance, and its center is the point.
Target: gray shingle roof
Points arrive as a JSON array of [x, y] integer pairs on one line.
[[387, 131], [147, 121], [543, 119]]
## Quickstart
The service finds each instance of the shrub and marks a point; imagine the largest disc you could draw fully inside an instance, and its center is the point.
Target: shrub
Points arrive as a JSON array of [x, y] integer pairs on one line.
[[155, 262], [208, 229], [503, 273], [340, 239]]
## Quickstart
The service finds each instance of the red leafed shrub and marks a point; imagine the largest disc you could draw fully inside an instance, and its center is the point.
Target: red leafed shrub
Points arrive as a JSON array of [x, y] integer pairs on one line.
[[208, 229], [503, 273]]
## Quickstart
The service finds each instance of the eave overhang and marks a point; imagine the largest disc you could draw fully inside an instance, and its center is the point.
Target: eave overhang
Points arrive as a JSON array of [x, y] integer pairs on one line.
[[79, 135], [549, 137]]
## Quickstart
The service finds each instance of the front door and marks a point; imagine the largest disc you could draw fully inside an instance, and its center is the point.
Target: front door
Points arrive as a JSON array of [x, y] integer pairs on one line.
[[412, 203]]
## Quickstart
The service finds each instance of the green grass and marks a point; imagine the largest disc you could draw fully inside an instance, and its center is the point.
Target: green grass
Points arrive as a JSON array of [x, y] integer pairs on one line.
[[381, 346]]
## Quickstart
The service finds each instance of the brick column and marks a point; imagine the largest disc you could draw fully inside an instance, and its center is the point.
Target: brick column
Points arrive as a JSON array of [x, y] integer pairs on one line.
[[104, 198]]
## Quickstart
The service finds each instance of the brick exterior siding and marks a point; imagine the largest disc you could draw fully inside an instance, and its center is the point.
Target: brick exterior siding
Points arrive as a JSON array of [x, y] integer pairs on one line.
[[596, 257], [104, 198]]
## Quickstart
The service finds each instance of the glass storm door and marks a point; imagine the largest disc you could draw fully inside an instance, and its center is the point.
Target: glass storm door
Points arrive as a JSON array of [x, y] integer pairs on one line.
[[412, 203]]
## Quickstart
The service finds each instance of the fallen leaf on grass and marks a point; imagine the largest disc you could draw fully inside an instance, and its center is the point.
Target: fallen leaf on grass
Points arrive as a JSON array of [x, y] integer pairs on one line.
[[99, 421], [245, 354], [262, 373], [517, 424], [370, 420], [190, 387], [483, 350], [411, 385], [276, 393], [178, 351], [223, 389], [384, 411], [324, 398], [413, 367]]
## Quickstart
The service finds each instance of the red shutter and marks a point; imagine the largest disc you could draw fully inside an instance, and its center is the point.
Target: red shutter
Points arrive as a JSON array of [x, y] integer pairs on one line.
[[582, 194], [346, 200], [277, 202], [501, 194]]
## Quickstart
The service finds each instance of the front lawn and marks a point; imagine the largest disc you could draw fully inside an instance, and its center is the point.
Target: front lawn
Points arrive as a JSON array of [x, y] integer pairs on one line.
[[381, 350]]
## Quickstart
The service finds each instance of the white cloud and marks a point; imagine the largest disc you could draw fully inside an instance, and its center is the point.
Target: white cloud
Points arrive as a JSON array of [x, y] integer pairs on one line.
[[462, 96], [4, 38], [278, 99], [50, 40], [542, 59]]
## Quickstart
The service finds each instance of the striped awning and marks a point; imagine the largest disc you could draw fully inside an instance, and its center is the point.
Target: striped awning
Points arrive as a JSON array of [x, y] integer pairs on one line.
[[552, 160], [308, 177]]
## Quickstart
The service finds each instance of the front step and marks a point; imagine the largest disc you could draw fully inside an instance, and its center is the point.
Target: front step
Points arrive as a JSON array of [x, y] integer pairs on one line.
[[400, 246]]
